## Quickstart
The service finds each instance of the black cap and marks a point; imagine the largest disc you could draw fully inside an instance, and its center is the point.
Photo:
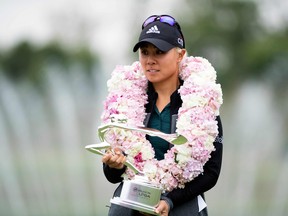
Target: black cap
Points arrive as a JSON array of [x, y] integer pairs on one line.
[[161, 35]]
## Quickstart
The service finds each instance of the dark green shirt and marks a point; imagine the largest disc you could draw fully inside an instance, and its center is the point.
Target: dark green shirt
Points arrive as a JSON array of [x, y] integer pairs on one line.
[[160, 121]]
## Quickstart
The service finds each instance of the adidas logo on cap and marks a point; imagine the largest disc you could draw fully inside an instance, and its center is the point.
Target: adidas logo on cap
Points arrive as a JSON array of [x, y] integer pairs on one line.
[[153, 29]]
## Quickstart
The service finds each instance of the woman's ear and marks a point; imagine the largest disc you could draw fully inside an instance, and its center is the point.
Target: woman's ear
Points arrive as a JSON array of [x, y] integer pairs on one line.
[[181, 54]]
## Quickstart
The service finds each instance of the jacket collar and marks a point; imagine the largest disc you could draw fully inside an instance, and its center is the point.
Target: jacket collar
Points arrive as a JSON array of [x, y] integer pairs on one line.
[[175, 99]]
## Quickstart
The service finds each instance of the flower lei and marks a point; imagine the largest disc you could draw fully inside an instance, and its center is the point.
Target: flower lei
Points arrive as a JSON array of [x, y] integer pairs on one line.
[[202, 99]]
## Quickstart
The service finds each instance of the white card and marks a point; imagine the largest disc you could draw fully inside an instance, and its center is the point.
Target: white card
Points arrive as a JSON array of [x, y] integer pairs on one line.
[[201, 203]]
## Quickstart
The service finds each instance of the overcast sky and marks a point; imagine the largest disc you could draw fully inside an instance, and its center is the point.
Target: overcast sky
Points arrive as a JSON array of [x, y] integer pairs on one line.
[[109, 26]]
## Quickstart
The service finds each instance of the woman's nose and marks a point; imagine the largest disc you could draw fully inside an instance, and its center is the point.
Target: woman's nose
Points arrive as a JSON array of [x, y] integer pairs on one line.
[[150, 60]]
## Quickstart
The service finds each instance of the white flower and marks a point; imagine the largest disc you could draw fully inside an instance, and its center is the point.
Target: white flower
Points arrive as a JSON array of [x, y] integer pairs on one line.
[[150, 169], [184, 154]]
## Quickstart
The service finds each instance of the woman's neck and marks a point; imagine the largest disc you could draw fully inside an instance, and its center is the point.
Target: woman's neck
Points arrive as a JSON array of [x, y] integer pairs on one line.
[[166, 89], [164, 92]]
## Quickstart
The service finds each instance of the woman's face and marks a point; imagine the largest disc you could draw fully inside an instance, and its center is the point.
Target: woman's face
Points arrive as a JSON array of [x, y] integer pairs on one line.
[[160, 67]]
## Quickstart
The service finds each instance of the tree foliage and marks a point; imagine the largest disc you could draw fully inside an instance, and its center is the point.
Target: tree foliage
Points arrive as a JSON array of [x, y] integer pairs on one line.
[[27, 61], [231, 35]]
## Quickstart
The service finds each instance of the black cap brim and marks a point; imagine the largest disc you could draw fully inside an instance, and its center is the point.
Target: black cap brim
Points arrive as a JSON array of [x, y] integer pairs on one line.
[[160, 44]]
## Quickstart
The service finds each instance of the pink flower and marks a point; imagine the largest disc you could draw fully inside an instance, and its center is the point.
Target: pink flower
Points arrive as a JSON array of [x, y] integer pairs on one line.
[[138, 158]]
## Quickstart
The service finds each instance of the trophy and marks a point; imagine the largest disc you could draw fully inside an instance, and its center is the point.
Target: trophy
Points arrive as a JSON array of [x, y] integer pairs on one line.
[[138, 194]]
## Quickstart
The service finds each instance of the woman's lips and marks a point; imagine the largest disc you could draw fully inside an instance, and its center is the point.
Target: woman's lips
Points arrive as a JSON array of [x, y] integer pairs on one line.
[[152, 70]]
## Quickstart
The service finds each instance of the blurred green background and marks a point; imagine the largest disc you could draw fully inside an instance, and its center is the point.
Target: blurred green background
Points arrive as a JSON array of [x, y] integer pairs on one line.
[[55, 59]]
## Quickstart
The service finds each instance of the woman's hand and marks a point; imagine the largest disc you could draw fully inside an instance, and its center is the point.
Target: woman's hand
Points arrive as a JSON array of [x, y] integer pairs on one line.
[[114, 158], [162, 208]]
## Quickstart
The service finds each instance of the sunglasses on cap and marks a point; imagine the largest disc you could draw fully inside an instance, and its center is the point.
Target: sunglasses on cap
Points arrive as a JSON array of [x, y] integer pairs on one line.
[[162, 18]]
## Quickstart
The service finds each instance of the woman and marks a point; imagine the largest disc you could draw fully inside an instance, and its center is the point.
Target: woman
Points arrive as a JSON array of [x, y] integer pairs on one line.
[[161, 49]]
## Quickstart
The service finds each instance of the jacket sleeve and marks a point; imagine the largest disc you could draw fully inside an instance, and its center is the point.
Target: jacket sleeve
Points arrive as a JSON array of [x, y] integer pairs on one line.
[[207, 179], [113, 175]]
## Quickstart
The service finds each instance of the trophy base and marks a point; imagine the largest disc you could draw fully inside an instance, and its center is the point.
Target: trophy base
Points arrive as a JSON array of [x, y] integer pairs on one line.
[[134, 205], [139, 194]]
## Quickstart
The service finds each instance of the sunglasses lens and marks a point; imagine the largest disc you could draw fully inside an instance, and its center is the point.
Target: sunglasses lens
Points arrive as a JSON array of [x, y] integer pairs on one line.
[[149, 20], [167, 19]]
